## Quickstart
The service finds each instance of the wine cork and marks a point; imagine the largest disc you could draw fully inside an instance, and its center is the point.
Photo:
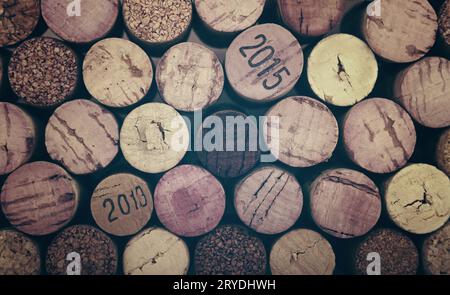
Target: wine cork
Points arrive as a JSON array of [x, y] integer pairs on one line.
[[229, 16], [418, 198], [396, 252], [237, 152], [82, 136], [443, 152], [17, 137], [19, 255], [345, 203], [269, 200], [39, 198], [117, 72], [157, 22], [436, 256], [379, 135], [230, 250], [154, 138], [156, 251], [190, 77], [301, 131], [403, 32], [311, 18], [264, 63], [93, 21], [422, 90], [97, 252], [342, 70], [43, 72], [302, 252], [444, 24], [19, 19], [189, 201], [122, 204]]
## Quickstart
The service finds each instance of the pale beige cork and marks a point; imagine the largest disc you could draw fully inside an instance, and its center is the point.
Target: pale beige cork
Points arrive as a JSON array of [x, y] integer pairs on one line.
[[422, 90], [122, 204], [154, 138], [156, 251], [17, 137], [229, 16], [403, 32], [302, 252], [443, 152], [269, 200], [117, 72], [264, 63], [301, 131], [190, 77], [435, 252], [418, 198], [342, 70], [19, 255]]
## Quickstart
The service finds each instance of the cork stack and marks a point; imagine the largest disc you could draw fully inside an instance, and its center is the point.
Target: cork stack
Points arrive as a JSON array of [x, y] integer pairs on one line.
[[443, 152]]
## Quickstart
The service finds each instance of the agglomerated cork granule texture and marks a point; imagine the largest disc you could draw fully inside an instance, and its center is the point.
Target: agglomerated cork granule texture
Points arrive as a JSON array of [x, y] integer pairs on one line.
[[18, 18], [18, 254]]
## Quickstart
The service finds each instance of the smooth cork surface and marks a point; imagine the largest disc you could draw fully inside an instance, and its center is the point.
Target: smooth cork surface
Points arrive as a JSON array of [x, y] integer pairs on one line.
[[443, 152], [435, 252]]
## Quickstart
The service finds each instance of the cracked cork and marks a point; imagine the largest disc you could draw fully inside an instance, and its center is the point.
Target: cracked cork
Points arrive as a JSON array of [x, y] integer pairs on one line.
[[19, 255], [435, 252], [156, 251], [302, 252], [443, 152], [117, 72]]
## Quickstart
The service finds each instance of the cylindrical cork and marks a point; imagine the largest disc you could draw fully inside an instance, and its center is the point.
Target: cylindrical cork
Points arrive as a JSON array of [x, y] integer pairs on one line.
[[122, 204], [18, 20], [302, 252], [395, 252], [404, 31], [39, 198], [82, 136], [342, 70], [156, 251], [154, 138], [311, 18], [269, 200], [190, 77], [301, 131], [235, 149], [96, 251], [422, 90], [19, 255], [444, 24], [379, 135], [189, 201], [89, 21], [229, 16], [230, 250], [443, 152], [157, 22], [117, 72], [264, 63], [17, 137], [345, 203], [43, 72], [418, 198], [435, 252]]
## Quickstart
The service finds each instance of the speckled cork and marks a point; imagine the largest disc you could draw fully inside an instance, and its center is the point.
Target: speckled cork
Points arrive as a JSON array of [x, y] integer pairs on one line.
[[345, 203], [39, 198], [342, 70], [418, 198], [422, 90], [82, 136], [19, 255], [435, 253], [17, 137], [189, 201], [379, 135], [122, 204], [306, 133], [154, 138], [444, 24], [190, 77], [269, 200], [264, 63], [404, 32], [156, 251], [229, 16], [302, 252], [443, 152]]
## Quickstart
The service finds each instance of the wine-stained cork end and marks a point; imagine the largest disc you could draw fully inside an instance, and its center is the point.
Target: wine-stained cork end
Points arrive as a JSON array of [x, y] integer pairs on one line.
[[443, 152], [435, 254]]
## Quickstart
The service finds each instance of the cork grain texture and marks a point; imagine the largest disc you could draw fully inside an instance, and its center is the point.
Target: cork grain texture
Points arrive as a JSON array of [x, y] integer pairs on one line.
[[436, 256], [19, 255], [443, 152], [444, 23]]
